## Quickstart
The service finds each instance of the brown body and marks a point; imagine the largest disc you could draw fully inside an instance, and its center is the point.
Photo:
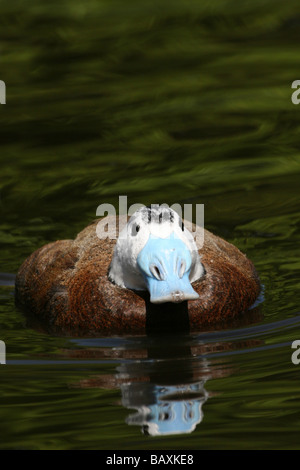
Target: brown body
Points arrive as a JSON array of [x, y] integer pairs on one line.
[[65, 285]]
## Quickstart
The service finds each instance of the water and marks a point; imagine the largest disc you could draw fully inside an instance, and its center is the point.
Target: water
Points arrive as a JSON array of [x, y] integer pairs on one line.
[[187, 103]]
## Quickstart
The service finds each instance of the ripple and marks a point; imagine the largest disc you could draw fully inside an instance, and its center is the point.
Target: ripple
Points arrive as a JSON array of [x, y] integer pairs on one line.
[[7, 279]]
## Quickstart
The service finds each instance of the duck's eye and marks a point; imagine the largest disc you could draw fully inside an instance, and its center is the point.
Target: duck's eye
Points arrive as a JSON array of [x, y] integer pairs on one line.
[[135, 229]]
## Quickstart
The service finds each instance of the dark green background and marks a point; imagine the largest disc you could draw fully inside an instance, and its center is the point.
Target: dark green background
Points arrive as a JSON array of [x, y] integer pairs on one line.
[[180, 101]]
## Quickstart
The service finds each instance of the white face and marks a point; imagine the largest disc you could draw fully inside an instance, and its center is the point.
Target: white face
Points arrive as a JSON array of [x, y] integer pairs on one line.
[[160, 223]]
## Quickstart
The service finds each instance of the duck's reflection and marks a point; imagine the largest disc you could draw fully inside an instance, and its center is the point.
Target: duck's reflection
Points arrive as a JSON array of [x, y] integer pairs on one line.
[[163, 379], [162, 410], [167, 389]]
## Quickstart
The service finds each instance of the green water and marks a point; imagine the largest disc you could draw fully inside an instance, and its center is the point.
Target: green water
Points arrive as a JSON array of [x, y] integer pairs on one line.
[[186, 102]]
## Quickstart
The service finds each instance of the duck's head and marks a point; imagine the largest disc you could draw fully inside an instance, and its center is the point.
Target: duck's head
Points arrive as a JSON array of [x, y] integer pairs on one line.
[[155, 252]]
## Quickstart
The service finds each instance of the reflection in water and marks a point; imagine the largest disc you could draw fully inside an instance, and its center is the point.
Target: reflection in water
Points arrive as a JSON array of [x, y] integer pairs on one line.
[[164, 380], [167, 390], [170, 409]]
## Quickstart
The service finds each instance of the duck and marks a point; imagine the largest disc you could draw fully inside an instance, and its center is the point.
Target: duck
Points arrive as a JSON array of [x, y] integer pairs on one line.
[[152, 276]]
